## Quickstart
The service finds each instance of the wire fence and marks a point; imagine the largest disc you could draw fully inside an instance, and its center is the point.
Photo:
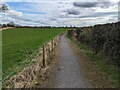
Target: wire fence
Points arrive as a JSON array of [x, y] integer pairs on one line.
[[16, 68], [30, 58]]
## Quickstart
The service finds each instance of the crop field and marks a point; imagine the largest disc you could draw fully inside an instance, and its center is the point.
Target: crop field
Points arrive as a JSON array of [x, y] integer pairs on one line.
[[19, 43]]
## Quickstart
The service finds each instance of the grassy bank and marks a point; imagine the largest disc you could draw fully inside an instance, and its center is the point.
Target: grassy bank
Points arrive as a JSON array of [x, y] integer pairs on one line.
[[111, 70], [19, 43]]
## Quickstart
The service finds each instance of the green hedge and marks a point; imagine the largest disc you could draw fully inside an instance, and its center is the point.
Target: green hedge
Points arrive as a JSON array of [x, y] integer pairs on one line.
[[101, 38]]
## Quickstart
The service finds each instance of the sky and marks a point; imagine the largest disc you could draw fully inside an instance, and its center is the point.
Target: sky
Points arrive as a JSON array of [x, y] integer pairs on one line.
[[60, 12]]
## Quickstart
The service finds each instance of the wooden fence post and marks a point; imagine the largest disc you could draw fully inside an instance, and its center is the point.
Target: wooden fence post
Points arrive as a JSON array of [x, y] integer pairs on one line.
[[55, 41], [52, 44], [44, 56], [49, 51]]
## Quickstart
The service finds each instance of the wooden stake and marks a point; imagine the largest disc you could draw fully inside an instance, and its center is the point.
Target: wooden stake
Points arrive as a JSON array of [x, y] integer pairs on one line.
[[44, 56]]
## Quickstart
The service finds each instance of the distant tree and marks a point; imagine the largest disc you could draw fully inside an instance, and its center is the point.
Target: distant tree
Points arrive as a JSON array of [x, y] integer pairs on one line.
[[4, 26], [11, 24]]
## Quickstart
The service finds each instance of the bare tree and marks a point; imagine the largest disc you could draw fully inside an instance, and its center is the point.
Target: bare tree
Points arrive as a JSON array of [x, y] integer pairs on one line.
[[3, 8]]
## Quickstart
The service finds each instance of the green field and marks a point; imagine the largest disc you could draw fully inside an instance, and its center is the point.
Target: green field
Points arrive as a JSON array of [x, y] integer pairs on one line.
[[20, 43]]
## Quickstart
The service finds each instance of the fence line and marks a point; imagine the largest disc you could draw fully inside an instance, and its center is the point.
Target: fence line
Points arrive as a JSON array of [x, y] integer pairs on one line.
[[46, 50]]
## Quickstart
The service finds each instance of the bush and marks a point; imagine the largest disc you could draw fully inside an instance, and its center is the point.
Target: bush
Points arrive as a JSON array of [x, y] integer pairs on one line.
[[101, 38], [4, 26]]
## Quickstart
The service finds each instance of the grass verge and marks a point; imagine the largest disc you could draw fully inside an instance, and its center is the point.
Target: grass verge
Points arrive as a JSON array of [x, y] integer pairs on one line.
[[113, 71]]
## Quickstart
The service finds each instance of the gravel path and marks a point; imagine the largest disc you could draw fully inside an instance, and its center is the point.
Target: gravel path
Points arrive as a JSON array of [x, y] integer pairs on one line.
[[66, 72], [71, 68], [69, 74]]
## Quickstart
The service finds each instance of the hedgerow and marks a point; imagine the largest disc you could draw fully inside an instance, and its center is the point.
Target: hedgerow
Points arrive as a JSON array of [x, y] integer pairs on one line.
[[103, 39]]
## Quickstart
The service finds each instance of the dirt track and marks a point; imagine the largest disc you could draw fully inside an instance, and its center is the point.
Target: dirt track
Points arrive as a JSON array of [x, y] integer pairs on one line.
[[70, 74], [66, 72], [71, 68], [5, 28]]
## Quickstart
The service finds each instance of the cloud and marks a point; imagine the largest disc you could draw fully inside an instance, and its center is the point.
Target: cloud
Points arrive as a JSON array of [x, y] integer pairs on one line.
[[98, 14], [72, 11], [61, 13], [85, 4], [92, 4], [25, 19], [53, 19], [6, 10], [13, 12], [93, 15], [17, 16]]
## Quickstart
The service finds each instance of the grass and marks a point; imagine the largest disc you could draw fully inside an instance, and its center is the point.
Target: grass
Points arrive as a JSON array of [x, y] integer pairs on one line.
[[113, 71], [19, 43]]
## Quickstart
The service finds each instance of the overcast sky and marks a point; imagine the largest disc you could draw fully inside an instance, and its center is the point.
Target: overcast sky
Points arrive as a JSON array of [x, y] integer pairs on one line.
[[60, 12]]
